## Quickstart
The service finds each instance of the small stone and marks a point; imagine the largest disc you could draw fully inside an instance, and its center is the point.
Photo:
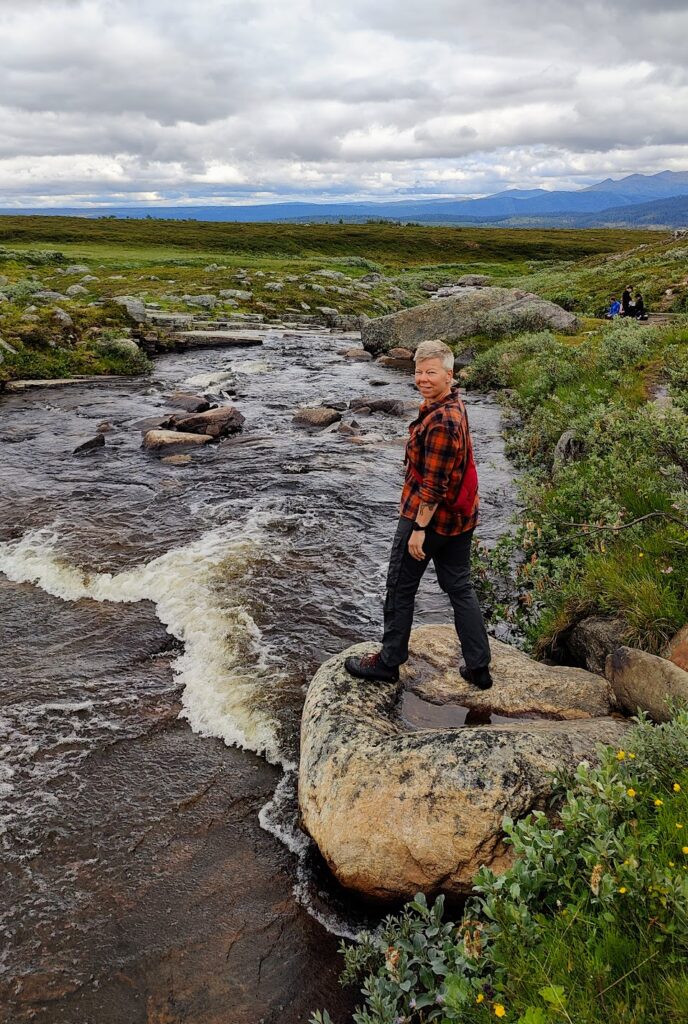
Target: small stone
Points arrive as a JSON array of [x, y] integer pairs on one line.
[[95, 442], [176, 460], [76, 289]]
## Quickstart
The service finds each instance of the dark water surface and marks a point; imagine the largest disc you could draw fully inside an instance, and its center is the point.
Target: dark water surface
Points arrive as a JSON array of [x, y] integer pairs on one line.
[[159, 624]]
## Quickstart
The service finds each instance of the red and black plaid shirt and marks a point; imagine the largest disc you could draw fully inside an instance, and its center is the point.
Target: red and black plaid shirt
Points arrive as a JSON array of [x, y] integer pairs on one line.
[[437, 453]]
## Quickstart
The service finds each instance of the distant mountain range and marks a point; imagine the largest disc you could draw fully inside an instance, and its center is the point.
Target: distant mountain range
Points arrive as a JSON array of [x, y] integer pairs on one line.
[[639, 200]]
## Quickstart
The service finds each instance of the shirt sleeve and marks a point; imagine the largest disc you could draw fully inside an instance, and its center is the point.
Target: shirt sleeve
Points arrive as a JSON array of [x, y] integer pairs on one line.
[[443, 449]]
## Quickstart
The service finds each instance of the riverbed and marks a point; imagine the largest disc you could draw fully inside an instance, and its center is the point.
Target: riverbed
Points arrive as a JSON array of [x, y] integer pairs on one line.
[[160, 624]]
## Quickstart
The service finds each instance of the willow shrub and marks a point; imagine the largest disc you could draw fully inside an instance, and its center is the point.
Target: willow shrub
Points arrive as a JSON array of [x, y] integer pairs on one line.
[[590, 924], [583, 556]]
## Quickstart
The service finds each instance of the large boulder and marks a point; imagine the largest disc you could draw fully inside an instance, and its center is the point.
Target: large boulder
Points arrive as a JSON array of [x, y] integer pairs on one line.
[[642, 681], [395, 808], [470, 311]]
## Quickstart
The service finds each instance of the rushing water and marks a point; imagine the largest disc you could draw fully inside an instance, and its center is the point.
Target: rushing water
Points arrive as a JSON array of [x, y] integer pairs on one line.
[[151, 611]]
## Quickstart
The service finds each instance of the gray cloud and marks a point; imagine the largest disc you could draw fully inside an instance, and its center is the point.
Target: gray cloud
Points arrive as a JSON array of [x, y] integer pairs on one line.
[[377, 97]]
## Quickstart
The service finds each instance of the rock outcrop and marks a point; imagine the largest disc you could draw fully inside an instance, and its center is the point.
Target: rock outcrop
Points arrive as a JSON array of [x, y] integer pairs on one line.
[[495, 311], [646, 682], [395, 809]]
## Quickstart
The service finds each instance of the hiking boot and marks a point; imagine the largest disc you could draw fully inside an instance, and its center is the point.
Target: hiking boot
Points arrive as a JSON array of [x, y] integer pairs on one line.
[[371, 666], [479, 677]]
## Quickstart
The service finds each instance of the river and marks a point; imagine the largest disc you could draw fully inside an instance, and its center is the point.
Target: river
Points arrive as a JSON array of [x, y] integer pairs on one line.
[[160, 624]]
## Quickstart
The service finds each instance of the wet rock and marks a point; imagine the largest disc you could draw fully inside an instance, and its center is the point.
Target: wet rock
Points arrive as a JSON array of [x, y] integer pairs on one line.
[[134, 307], [95, 442], [394, 364], [592, 640], [156, 439], [391, 406], [105, 427], [188, 402], [394, 810], [318, 417], [220, 422], [641, 680], [358, 354], [677, 648], [176, 460], [496, 311]]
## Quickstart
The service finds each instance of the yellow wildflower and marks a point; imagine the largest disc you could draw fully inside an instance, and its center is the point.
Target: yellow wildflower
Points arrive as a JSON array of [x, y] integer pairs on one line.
[[684, 849], [632, 757], [677, 788], [620, 755], [499, 1010], [671, 863], [479, 998], [630, 792], [641, 554], [659, 803], [679, 825], [623, 889]]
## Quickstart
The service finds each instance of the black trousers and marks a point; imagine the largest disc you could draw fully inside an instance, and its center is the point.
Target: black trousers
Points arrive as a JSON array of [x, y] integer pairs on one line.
[[452, 559]]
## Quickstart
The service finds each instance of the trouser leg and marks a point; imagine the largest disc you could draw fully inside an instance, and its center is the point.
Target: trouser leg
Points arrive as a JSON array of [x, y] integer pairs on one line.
[[453, 566], [403, 579]]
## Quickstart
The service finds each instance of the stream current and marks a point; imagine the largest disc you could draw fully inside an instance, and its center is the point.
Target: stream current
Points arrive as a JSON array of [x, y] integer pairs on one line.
[[160, 624]]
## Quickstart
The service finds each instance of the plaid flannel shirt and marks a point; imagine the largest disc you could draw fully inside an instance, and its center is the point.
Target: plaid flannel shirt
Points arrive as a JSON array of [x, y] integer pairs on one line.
[[437, 450]]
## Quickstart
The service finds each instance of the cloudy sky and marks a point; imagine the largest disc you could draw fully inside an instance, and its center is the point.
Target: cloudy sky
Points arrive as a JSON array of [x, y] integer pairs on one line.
[[201, 101]]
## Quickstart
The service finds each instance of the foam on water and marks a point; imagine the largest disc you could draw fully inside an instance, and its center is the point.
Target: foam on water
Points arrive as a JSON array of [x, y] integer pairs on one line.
[[223, 667]]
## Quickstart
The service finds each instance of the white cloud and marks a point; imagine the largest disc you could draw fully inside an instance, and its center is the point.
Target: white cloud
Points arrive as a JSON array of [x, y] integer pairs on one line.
[[250, 98]]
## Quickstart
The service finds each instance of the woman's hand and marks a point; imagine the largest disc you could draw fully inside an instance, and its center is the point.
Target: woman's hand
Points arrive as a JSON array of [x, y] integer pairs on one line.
[[415, 545]]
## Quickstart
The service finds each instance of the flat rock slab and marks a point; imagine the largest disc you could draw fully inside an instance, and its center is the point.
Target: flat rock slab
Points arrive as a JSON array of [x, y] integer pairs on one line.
[[218, 339], [394, 809]]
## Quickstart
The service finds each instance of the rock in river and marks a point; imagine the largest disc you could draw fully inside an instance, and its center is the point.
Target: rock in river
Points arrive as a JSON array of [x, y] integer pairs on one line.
[[319, 417], [155, 439], [396, 809], [219, 422]]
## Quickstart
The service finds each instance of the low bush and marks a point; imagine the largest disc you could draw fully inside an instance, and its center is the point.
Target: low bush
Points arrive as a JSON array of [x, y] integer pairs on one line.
[[589, 925], [604, 526]]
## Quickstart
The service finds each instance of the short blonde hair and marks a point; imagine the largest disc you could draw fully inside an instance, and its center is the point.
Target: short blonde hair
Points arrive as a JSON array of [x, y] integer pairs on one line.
[[435, 349]]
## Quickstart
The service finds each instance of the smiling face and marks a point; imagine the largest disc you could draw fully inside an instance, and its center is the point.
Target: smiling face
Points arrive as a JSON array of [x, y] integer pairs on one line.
[[432, 379]]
